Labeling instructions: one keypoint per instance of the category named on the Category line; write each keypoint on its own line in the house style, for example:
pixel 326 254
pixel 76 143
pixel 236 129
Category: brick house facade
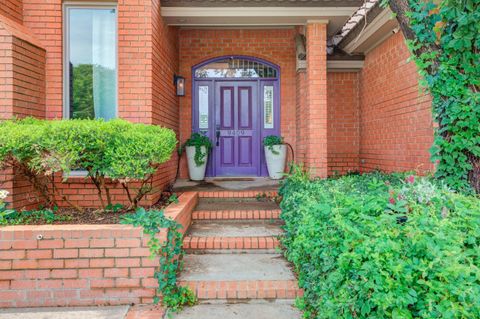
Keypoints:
pixel 356 112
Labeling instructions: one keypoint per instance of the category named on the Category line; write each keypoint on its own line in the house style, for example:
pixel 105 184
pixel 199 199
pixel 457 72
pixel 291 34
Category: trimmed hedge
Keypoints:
pixel 382 246
pixel 118 150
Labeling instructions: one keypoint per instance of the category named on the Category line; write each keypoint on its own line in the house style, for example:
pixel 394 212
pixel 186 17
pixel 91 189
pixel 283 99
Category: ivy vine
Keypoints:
pixel 271 140
pixel 198 140
pixel 444 38
pixel 170 253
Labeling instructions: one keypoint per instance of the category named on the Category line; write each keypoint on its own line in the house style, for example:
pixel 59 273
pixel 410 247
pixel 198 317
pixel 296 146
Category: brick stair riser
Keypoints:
pixel 236 214
pixel 230 242
pixel 240 290
pixel 236 194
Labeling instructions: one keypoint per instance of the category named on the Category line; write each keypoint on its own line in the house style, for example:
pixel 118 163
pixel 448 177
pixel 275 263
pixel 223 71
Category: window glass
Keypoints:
pixel 236 68
pixel 92 63
pixel 268 106
pixel 203 107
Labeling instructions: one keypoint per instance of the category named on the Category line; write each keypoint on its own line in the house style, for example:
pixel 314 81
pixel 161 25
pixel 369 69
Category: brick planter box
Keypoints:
pixel 80 265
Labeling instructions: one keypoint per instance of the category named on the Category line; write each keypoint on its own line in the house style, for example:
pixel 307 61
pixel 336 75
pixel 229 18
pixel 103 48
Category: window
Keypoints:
pixel 236 68
pixel 90 86
pixel 203 107
pixel 268 106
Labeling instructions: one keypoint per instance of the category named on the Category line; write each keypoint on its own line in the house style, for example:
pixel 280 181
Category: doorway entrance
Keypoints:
pixel 236 104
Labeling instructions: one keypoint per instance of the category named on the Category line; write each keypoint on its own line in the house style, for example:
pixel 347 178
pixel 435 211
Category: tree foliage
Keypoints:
pixel 444 38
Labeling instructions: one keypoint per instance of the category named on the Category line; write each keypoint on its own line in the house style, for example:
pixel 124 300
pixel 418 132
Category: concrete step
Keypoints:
pixel 239 276
pixel 234 267
pixel 235 228
pixel 254 310
pixel 233 234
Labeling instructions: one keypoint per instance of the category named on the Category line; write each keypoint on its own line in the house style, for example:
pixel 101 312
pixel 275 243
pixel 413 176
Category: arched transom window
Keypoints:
pixel 236 68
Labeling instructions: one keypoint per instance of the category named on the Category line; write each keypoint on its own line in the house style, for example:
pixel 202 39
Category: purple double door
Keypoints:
pixel 237 138
pixel 236 104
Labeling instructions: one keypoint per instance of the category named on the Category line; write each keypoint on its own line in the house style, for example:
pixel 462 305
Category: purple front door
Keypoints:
pixel 236 103
pixel 237 139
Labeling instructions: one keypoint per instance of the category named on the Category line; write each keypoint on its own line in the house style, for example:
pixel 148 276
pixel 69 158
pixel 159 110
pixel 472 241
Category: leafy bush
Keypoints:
pixel 198 140
pixel 118 150
pixel 382 246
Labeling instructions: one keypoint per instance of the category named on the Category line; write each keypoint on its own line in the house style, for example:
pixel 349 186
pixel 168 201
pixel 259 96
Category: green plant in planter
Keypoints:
pixel 272 140
pixel 198 140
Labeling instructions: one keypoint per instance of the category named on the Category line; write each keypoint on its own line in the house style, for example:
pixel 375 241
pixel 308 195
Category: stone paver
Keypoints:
pixel 117 312
pixel 227 267
pixel 274 310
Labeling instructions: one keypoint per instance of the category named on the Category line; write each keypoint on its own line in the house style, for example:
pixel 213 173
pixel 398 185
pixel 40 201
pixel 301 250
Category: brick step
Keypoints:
pixel 255 242
pixel 237 194
pixel 244 289
pixel 235 214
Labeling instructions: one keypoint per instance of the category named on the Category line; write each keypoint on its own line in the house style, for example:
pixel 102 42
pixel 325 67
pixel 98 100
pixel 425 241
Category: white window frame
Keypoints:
pixel 67 5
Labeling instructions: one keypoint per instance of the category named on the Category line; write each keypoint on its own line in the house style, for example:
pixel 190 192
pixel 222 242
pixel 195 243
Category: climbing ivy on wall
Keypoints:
pixel 169 252
pixel 444 38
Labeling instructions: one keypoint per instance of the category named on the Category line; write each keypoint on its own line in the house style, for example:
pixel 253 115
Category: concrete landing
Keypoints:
pixel 274 310
pixel 219 184
pixel 235 203
pixel 65 313
pixel 232 267
pixel 235 228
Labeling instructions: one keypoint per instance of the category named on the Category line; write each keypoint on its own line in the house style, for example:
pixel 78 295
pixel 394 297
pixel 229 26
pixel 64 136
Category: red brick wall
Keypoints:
pixel 81 265
pixel 301 122
pixel 12 9
pixel 274 45
pixel 396 127
pixel 147 59
pixel 316 100
pixel 343 122
pixel 165 64
pixel 22 91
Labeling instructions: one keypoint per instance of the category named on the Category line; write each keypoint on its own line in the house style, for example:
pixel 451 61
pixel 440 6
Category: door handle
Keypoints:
pixel 217 134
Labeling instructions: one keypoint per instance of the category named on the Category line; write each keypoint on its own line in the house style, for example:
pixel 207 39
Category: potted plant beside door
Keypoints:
pixel 197 148
pixel 275 155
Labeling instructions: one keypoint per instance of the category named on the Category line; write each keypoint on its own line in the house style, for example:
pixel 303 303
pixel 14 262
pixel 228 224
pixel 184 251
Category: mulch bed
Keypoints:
pixel 70 216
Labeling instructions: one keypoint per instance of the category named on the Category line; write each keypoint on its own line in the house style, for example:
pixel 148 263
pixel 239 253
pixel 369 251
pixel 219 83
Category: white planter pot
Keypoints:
pixel 276 162
pixel 197 173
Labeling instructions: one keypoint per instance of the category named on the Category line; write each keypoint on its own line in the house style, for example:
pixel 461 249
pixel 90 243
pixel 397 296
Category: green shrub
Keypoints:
pixel 118 150
pixel 382 246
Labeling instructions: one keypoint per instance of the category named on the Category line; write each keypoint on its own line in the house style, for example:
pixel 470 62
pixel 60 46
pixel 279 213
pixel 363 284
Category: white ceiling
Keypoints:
pixel 256 16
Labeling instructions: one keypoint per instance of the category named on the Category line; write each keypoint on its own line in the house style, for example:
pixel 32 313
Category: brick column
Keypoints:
pixel 316 102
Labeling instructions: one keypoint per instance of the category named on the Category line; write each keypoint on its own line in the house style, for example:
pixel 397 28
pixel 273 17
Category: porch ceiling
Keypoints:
pixel 261 3
pixel 216 15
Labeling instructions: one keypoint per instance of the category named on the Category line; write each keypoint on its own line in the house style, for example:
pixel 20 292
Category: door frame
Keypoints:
pixel 261 82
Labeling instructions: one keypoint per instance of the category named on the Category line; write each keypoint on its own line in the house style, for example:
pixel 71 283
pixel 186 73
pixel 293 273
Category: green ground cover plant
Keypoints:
pixel 169 252
pixel 382 246
pixel 116 151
